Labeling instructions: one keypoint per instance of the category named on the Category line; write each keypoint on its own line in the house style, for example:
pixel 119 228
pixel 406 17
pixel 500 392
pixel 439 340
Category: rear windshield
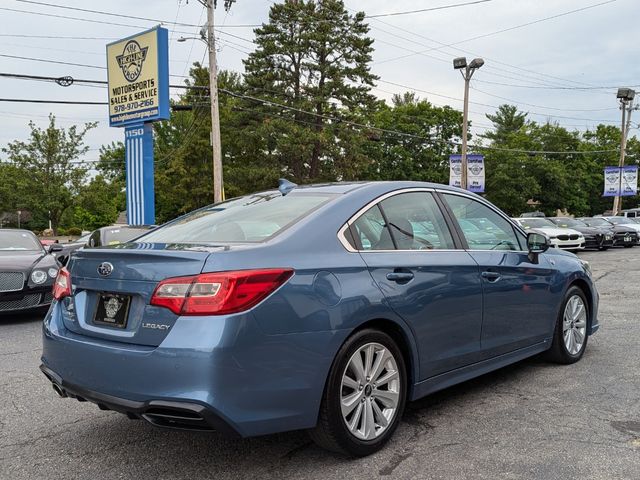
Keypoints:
pixel 10 241
pixel 249 219
pixel 115 236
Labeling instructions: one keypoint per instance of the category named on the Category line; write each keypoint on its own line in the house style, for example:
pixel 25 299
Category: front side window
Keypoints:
pixel 416 222
pixel 482 228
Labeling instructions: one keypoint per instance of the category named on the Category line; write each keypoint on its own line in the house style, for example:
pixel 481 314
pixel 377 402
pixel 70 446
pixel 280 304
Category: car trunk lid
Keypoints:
pixel 112 288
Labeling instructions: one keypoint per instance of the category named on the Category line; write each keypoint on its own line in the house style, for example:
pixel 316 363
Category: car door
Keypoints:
pixel 411 254
pixel 518 307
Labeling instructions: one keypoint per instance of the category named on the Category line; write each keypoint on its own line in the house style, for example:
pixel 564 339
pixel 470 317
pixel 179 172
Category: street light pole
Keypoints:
pixel 215 113
pixel 626 96
pixel 467 72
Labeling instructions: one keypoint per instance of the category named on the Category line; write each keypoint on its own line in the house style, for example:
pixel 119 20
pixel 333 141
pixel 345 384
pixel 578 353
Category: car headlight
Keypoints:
pixel 38 276
pixel 608 236
pixel 587 266
pixel 53 272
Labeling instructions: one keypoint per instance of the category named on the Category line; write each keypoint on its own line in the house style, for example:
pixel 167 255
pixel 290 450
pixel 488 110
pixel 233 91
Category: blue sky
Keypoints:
pixel 592 48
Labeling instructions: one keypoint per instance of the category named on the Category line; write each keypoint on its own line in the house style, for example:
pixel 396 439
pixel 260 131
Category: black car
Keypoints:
pixel 622 236
pixel 27 271
pixel 594 237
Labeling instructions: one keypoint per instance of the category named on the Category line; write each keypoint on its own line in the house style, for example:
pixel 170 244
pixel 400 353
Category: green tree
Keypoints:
pixel 97 204
pixel 311 56
pixel 423 153
pixel 49 163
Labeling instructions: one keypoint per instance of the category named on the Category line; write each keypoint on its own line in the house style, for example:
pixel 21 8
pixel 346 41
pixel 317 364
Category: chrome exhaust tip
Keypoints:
pixel 58 389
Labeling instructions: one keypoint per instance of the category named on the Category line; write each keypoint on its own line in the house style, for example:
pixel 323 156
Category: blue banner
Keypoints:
pixel 621 181
pixel 475 172
pixel 629 180
pixel 611 181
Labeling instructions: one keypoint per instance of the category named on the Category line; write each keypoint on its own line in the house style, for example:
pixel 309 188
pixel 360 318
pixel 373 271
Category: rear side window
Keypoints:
pixel 249 219
pixel 371 232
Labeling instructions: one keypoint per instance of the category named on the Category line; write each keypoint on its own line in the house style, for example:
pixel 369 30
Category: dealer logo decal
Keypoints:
pixel 131 60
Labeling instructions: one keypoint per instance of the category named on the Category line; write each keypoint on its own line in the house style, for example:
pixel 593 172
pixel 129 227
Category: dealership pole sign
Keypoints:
pixel 620 181
pixel 138 81
pixel 475 172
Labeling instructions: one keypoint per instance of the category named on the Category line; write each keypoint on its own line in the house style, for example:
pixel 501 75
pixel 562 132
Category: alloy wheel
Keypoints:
pixel 574 325
pixel 370 391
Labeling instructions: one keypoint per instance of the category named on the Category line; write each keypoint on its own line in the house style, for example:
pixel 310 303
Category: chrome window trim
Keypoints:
pixel 341 233
pixel 345 243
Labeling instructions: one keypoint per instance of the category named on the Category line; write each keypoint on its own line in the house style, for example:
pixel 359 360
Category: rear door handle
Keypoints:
pixel 491 276
pixel 400 276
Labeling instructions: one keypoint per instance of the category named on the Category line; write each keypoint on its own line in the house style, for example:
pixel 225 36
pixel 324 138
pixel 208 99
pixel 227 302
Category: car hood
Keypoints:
pixel 18 261
pixel 552 231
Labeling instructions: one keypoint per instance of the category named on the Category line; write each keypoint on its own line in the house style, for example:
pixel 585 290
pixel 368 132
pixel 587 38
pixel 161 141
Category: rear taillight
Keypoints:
pixel 62 285
pixel 218 293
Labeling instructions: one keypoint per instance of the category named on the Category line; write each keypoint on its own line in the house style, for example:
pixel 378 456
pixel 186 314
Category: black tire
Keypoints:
pixel 331 432
pixel 558 352
pixel 628 246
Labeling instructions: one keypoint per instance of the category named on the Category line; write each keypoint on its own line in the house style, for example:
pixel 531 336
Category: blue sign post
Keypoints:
pixel 138 81
pixel 139 164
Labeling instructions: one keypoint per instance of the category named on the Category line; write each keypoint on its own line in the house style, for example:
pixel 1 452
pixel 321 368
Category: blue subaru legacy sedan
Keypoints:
pixel 324 307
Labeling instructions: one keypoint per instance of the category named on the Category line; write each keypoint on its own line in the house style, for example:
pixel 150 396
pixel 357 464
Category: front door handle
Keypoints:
pixel 491 276
pixel 400 277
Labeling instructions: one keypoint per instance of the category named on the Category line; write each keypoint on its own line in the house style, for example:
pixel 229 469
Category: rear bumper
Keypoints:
pixel 161 413
pixel 224 369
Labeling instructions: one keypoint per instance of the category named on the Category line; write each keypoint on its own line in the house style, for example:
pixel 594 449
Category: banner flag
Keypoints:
pixel 455 170
pixel 611 181
pixel 629 180
pixel 475 172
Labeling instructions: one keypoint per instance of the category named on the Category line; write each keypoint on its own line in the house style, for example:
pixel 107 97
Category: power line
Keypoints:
pixel 443 7
pixel 522 25
pixel 542 106
pixel 64 102
pixel 133 17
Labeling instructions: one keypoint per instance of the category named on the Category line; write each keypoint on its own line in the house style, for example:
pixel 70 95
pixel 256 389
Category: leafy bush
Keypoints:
pixel 74 231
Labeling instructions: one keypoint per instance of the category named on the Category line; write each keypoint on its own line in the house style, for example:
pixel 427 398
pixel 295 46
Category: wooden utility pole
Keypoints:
pixel 216 144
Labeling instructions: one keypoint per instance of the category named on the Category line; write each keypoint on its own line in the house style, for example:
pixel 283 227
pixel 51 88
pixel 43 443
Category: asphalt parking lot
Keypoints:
pixel 529 420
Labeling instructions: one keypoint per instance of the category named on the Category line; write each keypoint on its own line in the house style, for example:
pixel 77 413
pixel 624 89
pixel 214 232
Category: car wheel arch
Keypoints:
pixel 584 286
pixel 403 338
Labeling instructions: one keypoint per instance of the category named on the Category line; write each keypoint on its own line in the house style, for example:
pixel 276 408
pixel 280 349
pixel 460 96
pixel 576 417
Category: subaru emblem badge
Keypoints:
pixel 105 269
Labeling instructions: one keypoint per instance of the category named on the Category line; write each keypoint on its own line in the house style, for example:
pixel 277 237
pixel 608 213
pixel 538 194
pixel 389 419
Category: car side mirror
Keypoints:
pixel 537 243
pixel 54 247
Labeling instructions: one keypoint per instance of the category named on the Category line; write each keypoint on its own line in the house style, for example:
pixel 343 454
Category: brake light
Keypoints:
pixel 62 285
pixel 218 293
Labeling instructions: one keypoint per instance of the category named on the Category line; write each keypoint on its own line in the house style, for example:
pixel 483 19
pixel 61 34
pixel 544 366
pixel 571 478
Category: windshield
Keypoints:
pixel 116 235
pixel 621 221
pixel 10 241
pixel 597 222
pixel 536 223
pixel 568 222
pixel 249 219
